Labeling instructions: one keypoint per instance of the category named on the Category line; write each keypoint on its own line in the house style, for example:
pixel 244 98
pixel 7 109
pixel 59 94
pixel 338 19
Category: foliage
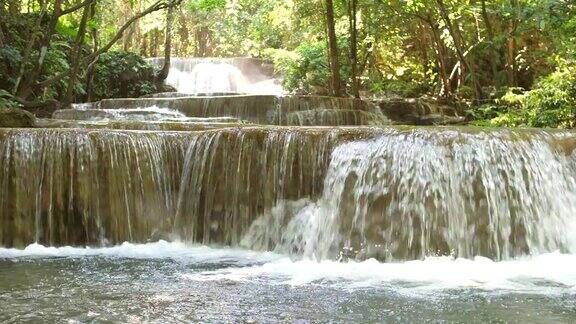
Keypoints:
pixel 120 74
pixel 7 100
pixel 49 66
pixel 551 103
pixel 512 55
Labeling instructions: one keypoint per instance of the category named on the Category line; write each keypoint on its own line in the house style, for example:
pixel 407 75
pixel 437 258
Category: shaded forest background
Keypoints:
pixel 512 62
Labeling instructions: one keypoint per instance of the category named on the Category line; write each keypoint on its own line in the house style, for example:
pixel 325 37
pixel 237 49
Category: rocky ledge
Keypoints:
pixel 16 118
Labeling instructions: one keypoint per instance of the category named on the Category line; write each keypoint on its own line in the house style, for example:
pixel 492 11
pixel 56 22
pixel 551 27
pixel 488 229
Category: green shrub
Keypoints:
pixel 121 74
pixel 7 101
pixel 551 103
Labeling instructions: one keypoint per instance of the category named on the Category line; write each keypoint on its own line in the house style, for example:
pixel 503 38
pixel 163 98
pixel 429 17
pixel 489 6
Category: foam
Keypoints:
pixel 546 273
pixel 159 250
pixel 549 273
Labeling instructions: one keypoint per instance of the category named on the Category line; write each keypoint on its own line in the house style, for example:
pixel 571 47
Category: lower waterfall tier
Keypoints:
pixel 324 193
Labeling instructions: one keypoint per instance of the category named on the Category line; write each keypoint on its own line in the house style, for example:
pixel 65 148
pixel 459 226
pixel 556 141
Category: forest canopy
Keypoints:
pixel 511 61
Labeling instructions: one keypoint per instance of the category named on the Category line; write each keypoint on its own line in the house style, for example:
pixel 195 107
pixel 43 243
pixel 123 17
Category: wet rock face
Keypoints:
pixel 420 112
pixel 259 109
pixel 16 118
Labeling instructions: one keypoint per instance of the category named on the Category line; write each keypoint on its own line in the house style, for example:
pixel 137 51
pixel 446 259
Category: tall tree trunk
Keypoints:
pixel 456 38
pixel 25 89
pixel 144 45
pixel 75 57
pixel 511 47
pixel 14 7
pixel 91 68
pixel 155 43
pixel 352 11
pixel 441 57
pixel 333 49
pixel 29 47
pixel 163 74
pixel 203 42
pixel 184 34
pixel 493 50
pixel 2 14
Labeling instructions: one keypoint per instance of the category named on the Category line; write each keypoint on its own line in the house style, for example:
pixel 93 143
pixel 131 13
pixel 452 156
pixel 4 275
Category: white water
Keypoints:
pixel 197 77
pixel 549 273
pixel 158 250
pixel 153 113
pixel 409 196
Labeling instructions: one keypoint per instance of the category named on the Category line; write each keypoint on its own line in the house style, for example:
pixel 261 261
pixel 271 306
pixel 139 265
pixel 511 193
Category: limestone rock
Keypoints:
pixel 420 112
pixel 16 118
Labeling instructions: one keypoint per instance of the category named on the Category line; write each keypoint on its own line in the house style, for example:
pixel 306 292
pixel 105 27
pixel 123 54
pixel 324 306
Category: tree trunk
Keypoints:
pixel 27 87
pixel 511 47
pixel 333 49
pixel 441 57
pixel 91 69
pixel 144 45
pixel 464 65
pixel 352 11
pixel 203 43
pixel 2 14
pixel 184 34
pixel 29 47
pixel 493 50
pixel 75 57
pixel 14 7
pixel 163 74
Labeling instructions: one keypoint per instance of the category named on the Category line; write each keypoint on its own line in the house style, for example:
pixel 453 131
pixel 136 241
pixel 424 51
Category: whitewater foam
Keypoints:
pixel 158 250
pixel 549 273
pixel 545 274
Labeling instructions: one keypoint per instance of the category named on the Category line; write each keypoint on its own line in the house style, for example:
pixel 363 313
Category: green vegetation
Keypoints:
pixel 511 61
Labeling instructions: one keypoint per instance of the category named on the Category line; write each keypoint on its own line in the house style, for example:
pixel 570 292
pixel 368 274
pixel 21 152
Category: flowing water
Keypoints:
pixel 207 76
pixel 174 282
pixel 347 224
pixel 268 208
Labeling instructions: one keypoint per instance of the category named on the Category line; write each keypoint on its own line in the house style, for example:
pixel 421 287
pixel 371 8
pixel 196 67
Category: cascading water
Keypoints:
pixel 411 194
pixel 392 194
pixel 208 76
pixel 298 217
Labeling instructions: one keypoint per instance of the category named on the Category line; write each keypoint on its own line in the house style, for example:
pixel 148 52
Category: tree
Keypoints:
pixel 79 62
pixel 352 18
pixel 333 49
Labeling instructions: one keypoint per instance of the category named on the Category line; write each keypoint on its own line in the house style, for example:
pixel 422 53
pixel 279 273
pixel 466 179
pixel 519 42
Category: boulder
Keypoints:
pixel 16 118
pixel 420 112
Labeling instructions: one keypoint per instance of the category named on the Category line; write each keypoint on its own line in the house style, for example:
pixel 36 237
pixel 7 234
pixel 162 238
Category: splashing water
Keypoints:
pixel 206 76
pixel 473 226
pixel 410 195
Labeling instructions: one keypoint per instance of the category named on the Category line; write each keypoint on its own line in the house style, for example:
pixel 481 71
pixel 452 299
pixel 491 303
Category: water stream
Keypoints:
pixel 268 209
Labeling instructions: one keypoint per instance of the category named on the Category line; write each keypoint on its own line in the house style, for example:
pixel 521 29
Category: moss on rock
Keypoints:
pixel 16 118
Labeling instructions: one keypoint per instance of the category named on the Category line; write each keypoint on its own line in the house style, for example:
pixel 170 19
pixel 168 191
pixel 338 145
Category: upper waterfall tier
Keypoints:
pixel 392 193
pixel 260 109
pixel 221 75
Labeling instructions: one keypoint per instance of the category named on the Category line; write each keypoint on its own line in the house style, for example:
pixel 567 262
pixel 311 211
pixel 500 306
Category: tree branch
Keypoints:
pixel 76 7
pixel 158 5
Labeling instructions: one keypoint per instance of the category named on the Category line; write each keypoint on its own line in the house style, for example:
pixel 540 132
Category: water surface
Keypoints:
pixel 170 282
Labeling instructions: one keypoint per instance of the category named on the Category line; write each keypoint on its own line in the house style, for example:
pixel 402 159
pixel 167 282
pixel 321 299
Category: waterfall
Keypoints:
pixel 408 195
pixel 260 109
pixel 323 193
pixel 78 187
pixel 210 76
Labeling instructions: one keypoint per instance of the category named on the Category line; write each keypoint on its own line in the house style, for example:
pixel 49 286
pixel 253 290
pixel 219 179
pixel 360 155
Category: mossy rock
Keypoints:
pixel 16 118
